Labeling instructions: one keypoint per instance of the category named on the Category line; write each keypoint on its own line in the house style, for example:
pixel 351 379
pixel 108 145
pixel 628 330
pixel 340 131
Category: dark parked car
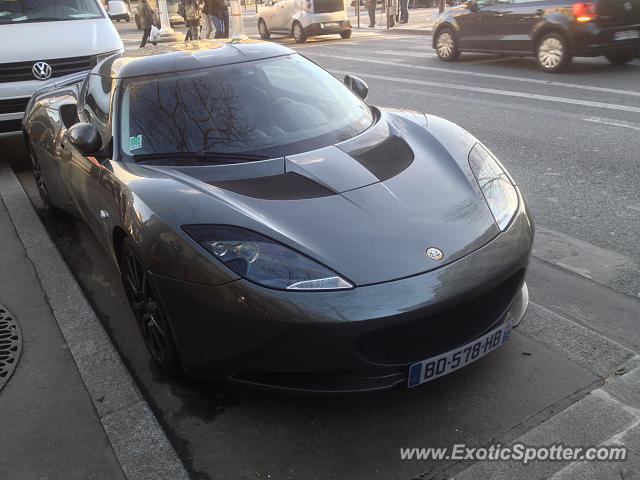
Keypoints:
pixel 272 228
pixel 553 31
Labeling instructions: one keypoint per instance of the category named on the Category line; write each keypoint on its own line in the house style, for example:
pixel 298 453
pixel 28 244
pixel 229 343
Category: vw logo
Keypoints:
pixel 435 253
pixel 628 6
pixel 41 70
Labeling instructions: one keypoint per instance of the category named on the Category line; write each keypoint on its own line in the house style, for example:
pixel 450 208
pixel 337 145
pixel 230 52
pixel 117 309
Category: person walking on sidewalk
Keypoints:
pixel 371 7
pixel 214 10
pixel 404 11
pixel 147 20
pixel 193 14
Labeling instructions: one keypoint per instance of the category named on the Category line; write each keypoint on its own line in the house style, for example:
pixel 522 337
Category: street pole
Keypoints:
pixel 237 23
pixel 167 34
pixel 441 6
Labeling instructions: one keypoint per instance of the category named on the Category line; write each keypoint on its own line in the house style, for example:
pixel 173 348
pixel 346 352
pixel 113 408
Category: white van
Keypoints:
pixel 44 39
pixel 303 18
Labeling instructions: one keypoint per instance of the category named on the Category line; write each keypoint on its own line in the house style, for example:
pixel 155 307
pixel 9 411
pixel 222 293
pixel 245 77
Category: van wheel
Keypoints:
pixel 620 58
pixel 128 19
pixel 552 53
pixel 447 45
pixel 263 30
pixel 346 34
pixel 298 33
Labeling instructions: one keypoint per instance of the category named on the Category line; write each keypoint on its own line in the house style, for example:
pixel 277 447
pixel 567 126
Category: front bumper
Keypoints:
pixel 327 28
pixel 353 340
pixel 591 40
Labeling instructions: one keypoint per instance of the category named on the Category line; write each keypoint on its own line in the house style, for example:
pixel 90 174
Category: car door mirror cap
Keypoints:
pixel 86 138
pixel 357 86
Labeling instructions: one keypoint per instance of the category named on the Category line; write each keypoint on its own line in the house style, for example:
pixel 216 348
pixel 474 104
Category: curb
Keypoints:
pixel 138 441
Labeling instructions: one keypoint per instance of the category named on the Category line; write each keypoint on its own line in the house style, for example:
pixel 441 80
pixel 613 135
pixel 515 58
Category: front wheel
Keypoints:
pixel 346 34
pixel 128 19
pixel 147 309
pixel 263 30
pixel 620 58
pixel 447 45
pixel 552 53
pixel 298 33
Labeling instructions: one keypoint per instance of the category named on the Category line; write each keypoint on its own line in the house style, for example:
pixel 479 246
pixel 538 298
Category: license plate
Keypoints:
pixel 435 367
pixel 330 24
pixel 626 35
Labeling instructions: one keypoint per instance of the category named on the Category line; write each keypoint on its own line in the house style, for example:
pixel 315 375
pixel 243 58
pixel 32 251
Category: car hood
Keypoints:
pixel 368 208
pixel 63 39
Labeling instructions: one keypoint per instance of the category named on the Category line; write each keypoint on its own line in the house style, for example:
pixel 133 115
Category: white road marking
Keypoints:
pixel 522 108
pixel 613 123
pixel 495 91
pixel 404 53
pixel 490 75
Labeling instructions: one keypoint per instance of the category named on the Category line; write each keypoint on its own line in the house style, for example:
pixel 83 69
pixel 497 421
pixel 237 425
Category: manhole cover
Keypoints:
pixel 10 345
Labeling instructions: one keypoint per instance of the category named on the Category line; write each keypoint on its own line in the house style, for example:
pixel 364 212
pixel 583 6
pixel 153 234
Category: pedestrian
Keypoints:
pixel 214 11
pixel 147 19
pixel 404 11
pixel 371 7
pixel 193 14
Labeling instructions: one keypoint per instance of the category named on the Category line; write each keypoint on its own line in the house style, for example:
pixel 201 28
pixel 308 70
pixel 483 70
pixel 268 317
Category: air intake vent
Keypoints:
pixel 387 159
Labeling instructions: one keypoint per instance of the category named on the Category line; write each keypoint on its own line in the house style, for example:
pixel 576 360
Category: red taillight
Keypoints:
pixel 584 12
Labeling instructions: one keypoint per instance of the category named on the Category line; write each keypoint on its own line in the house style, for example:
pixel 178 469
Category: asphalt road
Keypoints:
pixel 572 142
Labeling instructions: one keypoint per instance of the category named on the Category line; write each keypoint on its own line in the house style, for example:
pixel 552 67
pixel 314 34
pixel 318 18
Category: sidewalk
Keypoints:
pixel 420 21
pixel 70 410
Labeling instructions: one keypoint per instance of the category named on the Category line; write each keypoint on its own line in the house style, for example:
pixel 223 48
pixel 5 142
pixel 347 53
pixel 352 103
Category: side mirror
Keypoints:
pixel 471 5
pixel 85 138
pixel 357 86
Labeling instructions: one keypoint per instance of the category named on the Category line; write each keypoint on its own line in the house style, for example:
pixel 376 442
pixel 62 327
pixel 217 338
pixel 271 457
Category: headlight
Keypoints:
pixel 264 261
pixel 496 186
pixel 101 56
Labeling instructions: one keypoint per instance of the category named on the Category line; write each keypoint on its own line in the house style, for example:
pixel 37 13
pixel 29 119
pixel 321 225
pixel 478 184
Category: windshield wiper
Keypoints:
pixel 213 157
pixel 40 19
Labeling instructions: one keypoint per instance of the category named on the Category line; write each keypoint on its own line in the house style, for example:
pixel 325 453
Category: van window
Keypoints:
pixel 29 11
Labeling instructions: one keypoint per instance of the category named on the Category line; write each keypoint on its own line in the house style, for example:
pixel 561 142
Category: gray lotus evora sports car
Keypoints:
pixel 272 228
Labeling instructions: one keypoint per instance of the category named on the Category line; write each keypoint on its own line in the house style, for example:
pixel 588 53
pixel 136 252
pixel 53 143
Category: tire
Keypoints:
pixel 298 33
pixel 620 58
pixel 263 30
pixel 552 52
pixel 447 45
pixel 346 34
pixel 148 310
pixel 49 208
pixel 128 19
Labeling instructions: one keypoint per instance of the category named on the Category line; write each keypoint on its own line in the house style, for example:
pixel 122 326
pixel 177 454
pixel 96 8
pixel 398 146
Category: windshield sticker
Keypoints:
pixel 135 142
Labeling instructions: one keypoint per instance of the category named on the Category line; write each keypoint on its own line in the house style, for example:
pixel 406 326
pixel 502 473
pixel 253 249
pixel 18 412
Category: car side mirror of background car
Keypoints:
pixel 86 138
pixel 357 86
pixel 472 5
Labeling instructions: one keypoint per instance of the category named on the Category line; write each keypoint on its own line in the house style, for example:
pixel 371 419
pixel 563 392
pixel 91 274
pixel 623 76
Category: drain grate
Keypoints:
pixel 10 345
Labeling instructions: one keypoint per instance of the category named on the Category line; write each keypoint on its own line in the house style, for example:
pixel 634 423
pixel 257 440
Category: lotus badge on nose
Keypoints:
pixel 434 253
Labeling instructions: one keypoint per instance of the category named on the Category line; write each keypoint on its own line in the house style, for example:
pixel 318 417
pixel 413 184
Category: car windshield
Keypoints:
pixel 271 107
pixel 28 11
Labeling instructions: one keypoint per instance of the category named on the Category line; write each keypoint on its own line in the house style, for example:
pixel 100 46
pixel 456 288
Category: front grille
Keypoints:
pixel 13 105
pixel 21 71
pixel 442 331
pixel 8 126
pixel 326 6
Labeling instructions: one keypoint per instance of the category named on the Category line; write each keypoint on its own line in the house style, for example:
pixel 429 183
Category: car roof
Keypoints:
pixel 184 56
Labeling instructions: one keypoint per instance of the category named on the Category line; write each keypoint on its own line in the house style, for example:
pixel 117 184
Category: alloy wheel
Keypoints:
pixel 145 307
pixel 446 47
pixel 551 53
pixel 262 30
